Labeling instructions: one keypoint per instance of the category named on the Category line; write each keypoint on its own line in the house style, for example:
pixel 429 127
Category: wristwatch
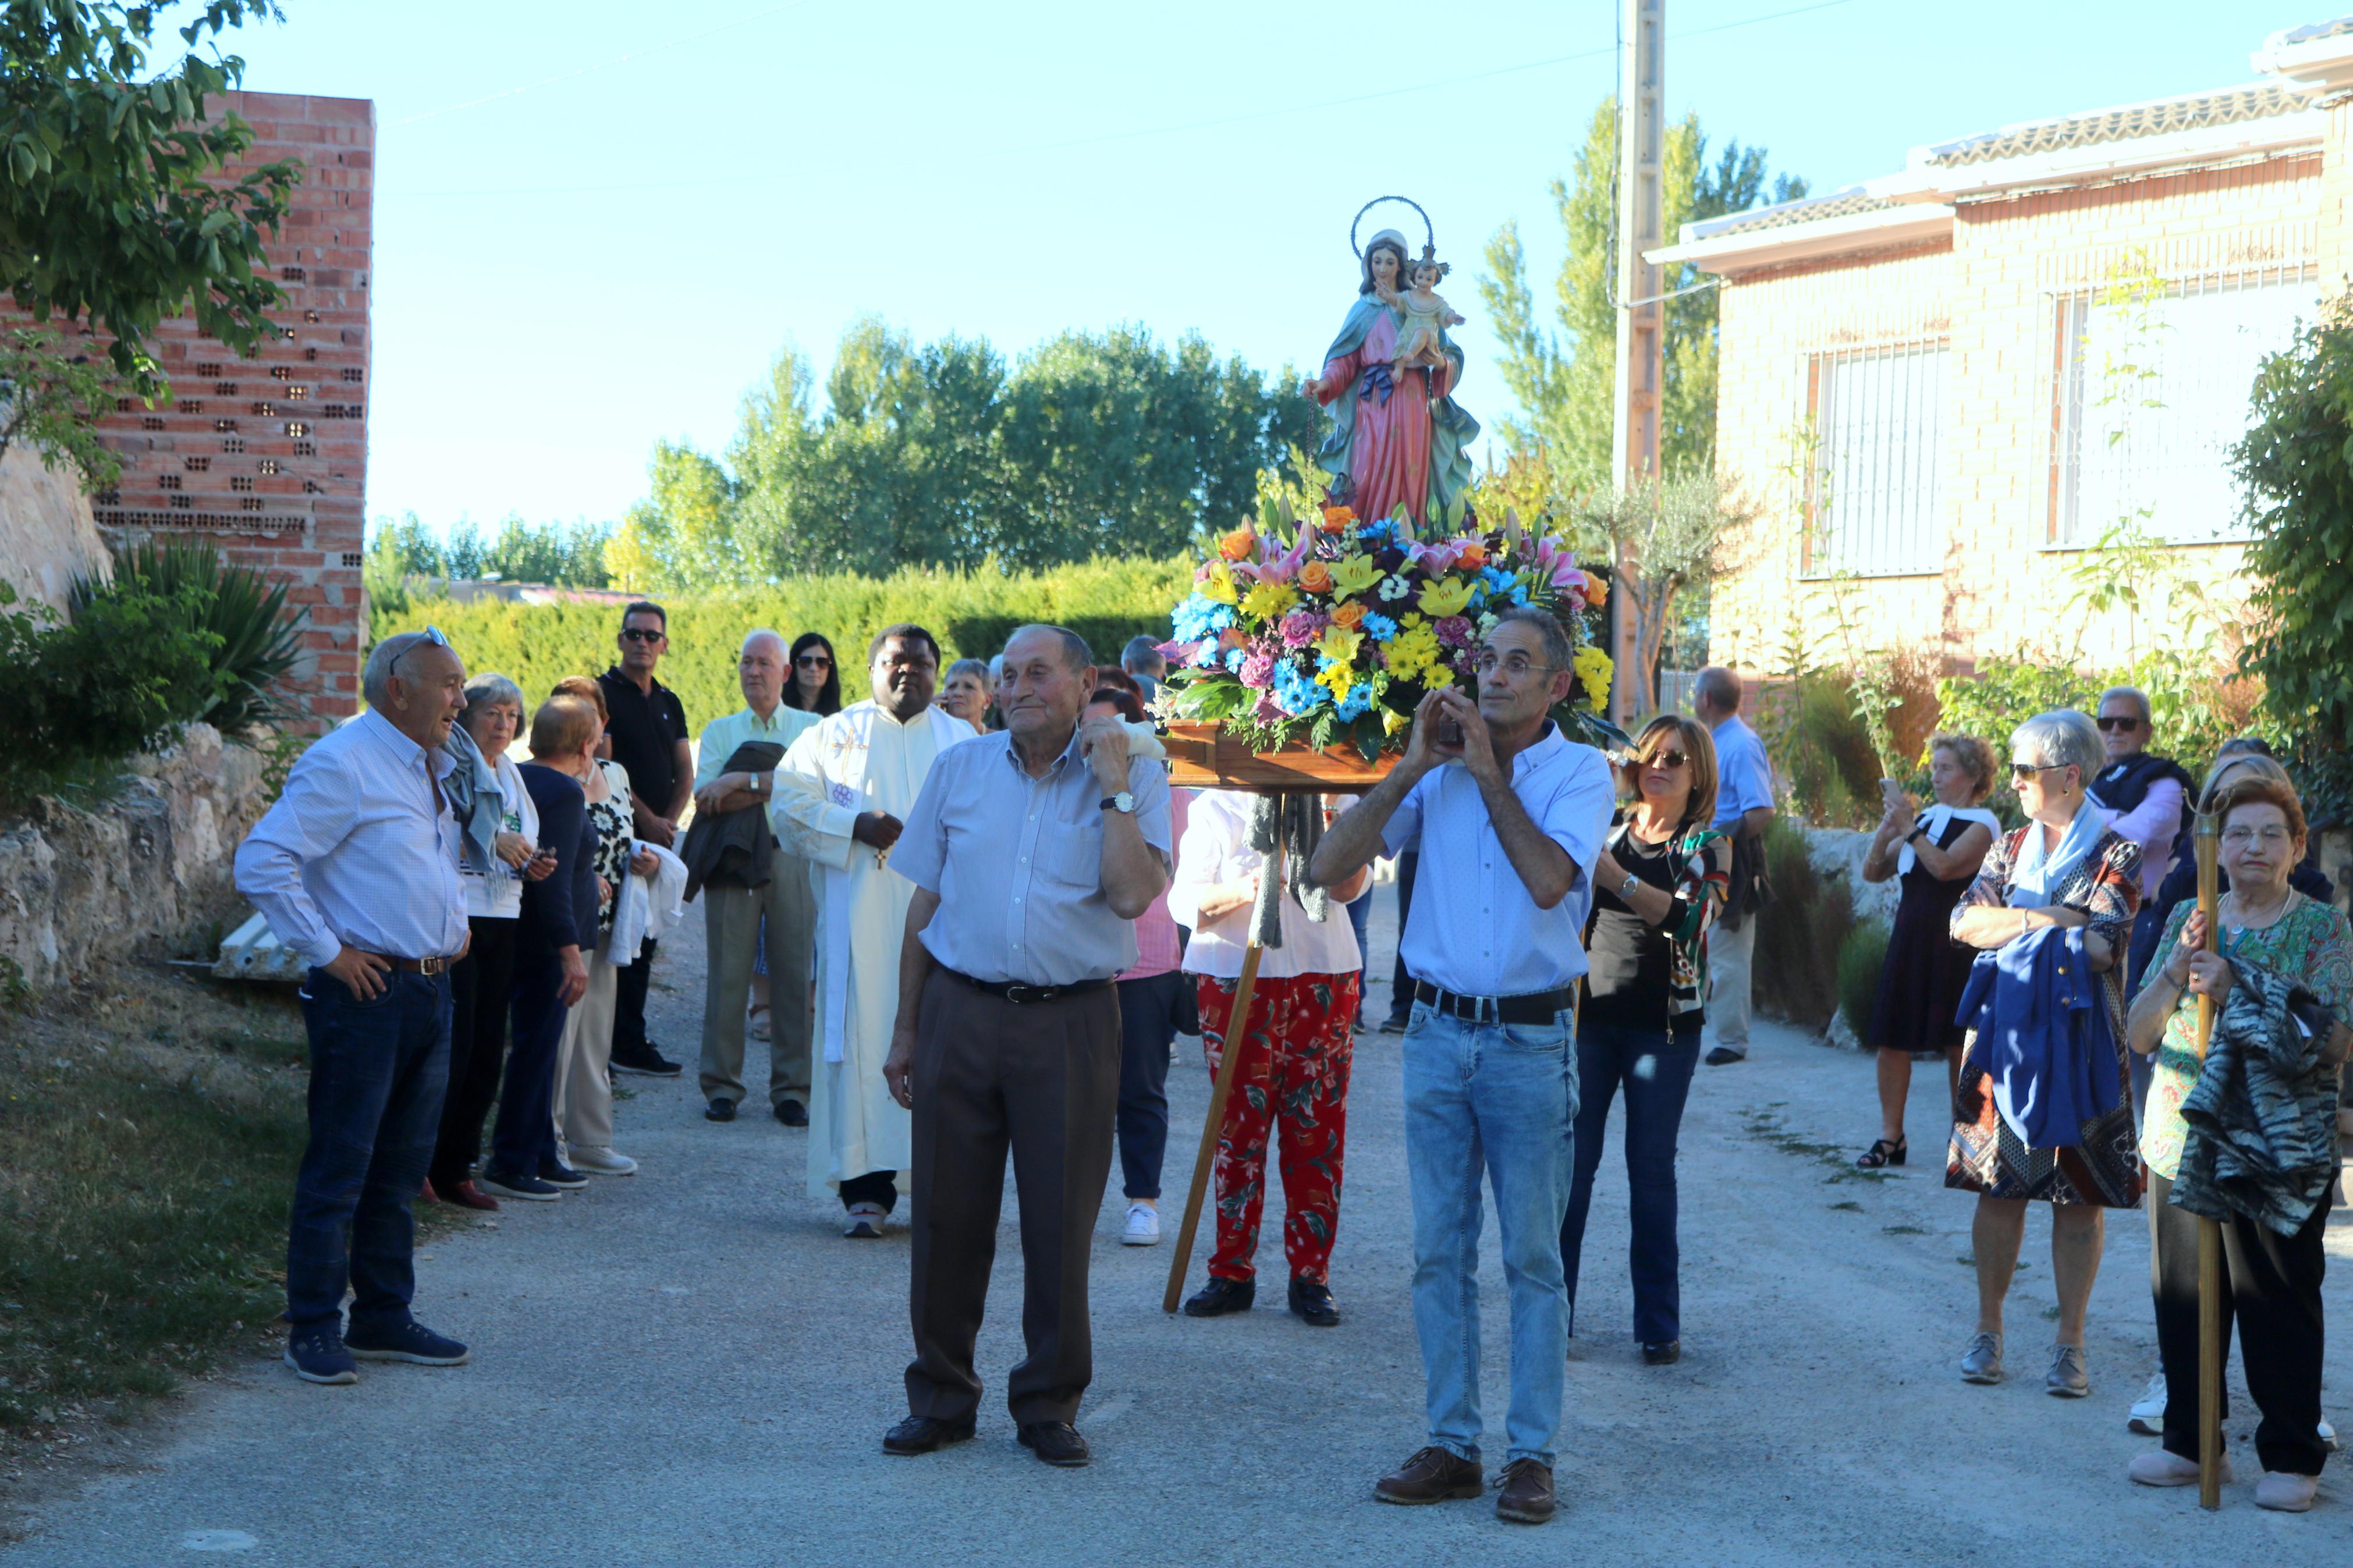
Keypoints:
pixel 1918 829
pixel 1124 803
pixel 1626 888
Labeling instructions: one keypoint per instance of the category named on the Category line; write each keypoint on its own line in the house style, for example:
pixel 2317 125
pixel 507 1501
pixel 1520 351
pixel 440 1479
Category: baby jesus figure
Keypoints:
pixel 1426 316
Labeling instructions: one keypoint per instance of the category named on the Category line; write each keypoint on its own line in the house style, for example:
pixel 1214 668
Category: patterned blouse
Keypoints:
pixel 611 819
pixel 1701 880
pixel 2310 942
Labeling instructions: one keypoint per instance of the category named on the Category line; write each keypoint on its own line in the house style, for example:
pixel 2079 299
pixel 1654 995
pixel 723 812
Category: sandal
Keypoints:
pixel 1882 1152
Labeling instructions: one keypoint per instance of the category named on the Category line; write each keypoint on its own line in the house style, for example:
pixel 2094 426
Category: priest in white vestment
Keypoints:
pixel 845 790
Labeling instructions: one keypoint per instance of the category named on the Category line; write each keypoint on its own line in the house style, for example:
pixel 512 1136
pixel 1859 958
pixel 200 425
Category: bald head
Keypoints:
pixel 760 668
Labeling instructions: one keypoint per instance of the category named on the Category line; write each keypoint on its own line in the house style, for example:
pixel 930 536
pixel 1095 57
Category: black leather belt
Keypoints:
pixel 1532 1008
pixel 1022 995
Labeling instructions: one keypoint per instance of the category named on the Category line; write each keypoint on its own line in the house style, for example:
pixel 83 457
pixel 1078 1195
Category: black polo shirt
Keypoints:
pixel 646 728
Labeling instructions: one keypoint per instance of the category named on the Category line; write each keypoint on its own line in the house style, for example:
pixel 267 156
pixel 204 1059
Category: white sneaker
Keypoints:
pixel 599 1162
pixel 1143 1227
pixel 865 1222
pixel 2328 1437
pixel 2148 1416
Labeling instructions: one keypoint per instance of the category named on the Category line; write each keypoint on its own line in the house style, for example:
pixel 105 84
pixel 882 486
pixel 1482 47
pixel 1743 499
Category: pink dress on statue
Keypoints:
pixel 1390 462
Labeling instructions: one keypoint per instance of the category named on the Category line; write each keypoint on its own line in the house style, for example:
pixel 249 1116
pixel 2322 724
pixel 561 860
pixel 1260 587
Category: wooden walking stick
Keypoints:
pixel 2210 1232
pixel 1237 1027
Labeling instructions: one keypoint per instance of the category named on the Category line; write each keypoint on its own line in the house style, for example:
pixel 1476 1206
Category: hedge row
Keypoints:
pixel 1105 601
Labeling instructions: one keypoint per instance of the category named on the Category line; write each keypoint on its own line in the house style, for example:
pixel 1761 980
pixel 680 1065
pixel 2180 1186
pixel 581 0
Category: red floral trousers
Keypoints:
pixel 1294 1072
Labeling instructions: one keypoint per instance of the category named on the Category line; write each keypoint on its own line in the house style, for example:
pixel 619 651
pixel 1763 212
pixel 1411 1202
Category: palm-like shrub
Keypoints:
pixel 258 638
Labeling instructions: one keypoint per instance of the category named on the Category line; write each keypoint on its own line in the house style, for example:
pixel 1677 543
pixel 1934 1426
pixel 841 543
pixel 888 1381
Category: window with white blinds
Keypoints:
pixel 1877 506
pixel 2150 398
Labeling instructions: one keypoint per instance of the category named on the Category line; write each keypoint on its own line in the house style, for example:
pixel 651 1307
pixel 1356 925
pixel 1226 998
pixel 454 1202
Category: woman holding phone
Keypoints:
pixel 1937 854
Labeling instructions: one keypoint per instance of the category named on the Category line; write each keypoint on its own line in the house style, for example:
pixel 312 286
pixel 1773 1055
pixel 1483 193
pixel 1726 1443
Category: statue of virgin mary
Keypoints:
pixel 1398 437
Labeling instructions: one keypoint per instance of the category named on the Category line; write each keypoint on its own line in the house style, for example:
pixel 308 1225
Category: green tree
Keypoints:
pixel 55 400
pixel 1561 373
pixel 118 203
pixel 683 532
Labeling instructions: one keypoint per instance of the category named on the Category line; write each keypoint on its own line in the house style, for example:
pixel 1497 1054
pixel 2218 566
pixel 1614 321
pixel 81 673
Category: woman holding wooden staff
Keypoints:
pixel 2241 1128
pixel 1290 1085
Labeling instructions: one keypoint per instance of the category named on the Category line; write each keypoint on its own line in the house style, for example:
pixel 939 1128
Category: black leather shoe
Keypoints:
pixel 792 1113
pixel 922 1434
pixel 1313 1303
pixel 1056 1442
pixel 1663 1354
pixel 719 1111
pixel 1219 1297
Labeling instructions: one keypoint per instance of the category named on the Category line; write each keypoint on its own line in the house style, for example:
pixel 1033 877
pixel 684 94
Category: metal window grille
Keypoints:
pixel 2150 398
pixel 1875 500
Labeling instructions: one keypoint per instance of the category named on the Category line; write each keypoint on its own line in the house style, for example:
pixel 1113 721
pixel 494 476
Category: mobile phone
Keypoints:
pixel 1448 732
pixel 1890 790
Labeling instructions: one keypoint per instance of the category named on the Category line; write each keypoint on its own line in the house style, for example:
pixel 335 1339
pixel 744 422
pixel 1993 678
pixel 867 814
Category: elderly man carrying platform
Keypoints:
pixel 863 767
pixel 1032 852
pixel 1515 813
pixel 732 911
pixel 355 867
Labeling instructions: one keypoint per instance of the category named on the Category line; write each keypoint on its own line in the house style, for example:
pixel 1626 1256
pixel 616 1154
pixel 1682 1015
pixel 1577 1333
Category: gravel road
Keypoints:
pixel 692 1367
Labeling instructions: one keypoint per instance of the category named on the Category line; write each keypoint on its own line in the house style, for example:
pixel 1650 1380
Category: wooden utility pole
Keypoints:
pixel 1642 314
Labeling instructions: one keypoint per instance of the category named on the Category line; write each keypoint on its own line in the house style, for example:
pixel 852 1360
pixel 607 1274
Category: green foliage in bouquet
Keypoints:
pixel 1327 629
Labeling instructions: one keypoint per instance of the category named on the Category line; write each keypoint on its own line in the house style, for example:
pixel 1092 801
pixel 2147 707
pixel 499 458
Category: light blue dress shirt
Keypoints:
pixel 355 852
pixel 1474 929
pixel 1743 777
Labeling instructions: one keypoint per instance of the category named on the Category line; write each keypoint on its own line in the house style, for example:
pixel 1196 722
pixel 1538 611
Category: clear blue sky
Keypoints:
pixel 565 273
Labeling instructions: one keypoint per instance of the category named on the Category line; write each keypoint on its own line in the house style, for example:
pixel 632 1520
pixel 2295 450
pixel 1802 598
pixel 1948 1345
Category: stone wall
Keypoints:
pixel 141 875
pixel 47 536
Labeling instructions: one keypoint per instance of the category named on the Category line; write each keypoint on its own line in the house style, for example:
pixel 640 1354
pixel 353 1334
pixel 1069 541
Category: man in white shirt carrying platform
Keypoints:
pixel 355 867
pixel 864 768
pixel 1508 821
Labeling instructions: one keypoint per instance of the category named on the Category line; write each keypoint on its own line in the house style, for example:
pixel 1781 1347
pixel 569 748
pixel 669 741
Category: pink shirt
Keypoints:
pixel 1156 952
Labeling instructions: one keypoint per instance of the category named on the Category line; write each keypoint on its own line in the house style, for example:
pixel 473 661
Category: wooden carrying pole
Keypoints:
pixel 1237 1027
pixel 2210 1232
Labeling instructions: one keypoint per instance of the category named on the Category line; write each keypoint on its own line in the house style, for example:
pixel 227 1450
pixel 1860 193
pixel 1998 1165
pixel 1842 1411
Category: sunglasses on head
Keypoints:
pixel 2107 722
pixel 643 634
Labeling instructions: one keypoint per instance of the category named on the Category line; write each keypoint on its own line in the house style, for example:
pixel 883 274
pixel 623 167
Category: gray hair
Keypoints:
pixel 968 667
pixel 1720 686
pixel 376 678
pixel 2061 737
pixel 1142 656
pixel 490 690
pixel 1075 652
pixel 2138 697
pixel 754 634
pixel 1558 651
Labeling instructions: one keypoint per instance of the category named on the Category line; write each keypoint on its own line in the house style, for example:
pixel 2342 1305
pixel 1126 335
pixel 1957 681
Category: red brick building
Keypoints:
pixel 268 455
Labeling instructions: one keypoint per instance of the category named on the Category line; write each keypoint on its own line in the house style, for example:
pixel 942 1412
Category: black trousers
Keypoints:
pixel 1400 982
pixel 1040 1080
pixel 629 1004
pixel 480 989
pixel 2272 1286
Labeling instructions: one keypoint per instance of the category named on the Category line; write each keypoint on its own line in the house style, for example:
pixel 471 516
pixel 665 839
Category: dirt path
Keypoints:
pixel 692 1367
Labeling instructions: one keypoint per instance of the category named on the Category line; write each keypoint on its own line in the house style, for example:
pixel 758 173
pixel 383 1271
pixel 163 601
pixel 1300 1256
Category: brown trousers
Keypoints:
pixel 1042 1080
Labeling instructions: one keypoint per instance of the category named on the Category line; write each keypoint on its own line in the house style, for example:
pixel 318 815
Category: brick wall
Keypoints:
pixel 1991 295
pixel 268 455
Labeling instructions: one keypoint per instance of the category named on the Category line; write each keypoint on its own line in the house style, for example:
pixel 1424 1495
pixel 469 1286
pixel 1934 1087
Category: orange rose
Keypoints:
pixel 1336 519
pixel 1597 590
pixel 1348 615
pixel 1239 546
pixel 1315 577
pixel 1473 555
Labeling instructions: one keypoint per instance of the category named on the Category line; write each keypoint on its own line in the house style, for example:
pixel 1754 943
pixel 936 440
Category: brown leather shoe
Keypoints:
pixel 1433 1475
pixel 1526 1495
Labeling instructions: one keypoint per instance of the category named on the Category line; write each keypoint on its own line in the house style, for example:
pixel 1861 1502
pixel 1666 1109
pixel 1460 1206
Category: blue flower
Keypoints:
pixel 1198 619
pixel 1295 694
pixel 1377 626
pixel 1234 658
pixel 1358 700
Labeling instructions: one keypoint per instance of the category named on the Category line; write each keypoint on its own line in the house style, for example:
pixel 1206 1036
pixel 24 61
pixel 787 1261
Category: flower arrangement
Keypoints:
pixel 1329 630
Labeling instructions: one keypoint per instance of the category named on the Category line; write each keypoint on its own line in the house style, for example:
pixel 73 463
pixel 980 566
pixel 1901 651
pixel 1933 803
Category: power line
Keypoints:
pixel 1136 134
pixel 591 70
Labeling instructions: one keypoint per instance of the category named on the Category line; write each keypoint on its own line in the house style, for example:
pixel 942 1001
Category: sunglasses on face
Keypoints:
pixel 814 661
pixel 1669 758
pixel 642 634
pixel 2107 722
pixel 2019 773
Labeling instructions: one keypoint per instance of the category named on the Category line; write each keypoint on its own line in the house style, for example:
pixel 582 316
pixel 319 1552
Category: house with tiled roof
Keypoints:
pixel 1944 386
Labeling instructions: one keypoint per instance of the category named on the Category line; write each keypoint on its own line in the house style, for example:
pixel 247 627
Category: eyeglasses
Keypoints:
pixel 2269 837
pixel 1669 758
pixel 433 634
pixel 2107 722
pixel 1518 665
pixel 2021 772
pixel 643 634
pixel 814 661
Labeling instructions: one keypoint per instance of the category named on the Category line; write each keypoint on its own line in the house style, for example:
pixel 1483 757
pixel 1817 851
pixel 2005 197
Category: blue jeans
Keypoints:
pixel 1360 920
pixel 1656 1068
pixel 1501 1098
pixel 1147 1028
pixel 378 1069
